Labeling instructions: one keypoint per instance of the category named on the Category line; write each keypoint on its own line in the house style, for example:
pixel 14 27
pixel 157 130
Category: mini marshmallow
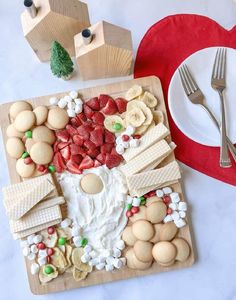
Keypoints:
pixel 73 94
pixel 101 259
pixel 31 256
pixel 94 262
pixel 136 201
pixel 93 254
pixel 62 103
pixel 129 199
pixel 78 101
pixel 168 218
pixel 85 258
pixel 100 266
pixel 75 231
pixel 87 248
pixel 77 241
pixel 175 197
pixel 182 206
pixel 66 223
pixel 123 260
pixel 68 98
pixel 180 223
pixel 30 239
pixel 110 260
pixel 120 149
pixel 159 193
pixel 71 113
pixel 129 130
pixel 34 268
pixel 53 101
pixel 120 245
pixel 116 252
pixel 125 144
pixel 175 216
pixel 109 268
pixel 37 239
pixel 26 251
pixel 42 253
pixel 34 249
pixel 78 108
pixel 119 139
pixel 117 263
pixel 107 253
pixel 134 143
pixel 173 206
pixel 182 214
pixel 167 190
pixel 71 105
pixel 42 261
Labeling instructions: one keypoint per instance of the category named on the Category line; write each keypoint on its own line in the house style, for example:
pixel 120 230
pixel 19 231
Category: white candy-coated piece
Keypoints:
pixel 109 268
pixel 120 245
pixel 175 215
pixel 37 239
pixel 34 268
pixel 71 113
pixel 134 143
pixel 168 218
pixel 117 263
pixel 73 94
pixel 129 199
pixel 30 239
pixel 62 103
pixel 116 252
pixel 78 101
pixel 75 231
pixel 167 190
pixel 136 201
pixel 182 214
pixel 120 149
pixel 26 251
pixel 123 260
pixel 78 108
pixel 34 249
pixel 182 206
pixel 42 253
pixel 100 266
pixel 42 261
pixel 119 139
pixel 77 241
pixel 68 98
pixel 175 197
pixel 53 101
pixel 85 258
pixel 129 130
pixel 93 254
pixel 159 193
pixel 180 223
pixel 125 144
pixel 107 253
pixel 31 256
pixel 66 223
pixel 110 260
pixel 88 248
pixel 173 206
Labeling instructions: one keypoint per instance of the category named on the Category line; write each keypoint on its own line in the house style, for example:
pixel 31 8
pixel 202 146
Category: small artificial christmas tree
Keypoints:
pixel 61 63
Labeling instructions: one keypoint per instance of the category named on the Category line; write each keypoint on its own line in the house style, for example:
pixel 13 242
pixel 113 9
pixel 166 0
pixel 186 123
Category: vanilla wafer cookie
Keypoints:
pixel 36 218
pixel 143 160
pixel 27 232
pixel 48 203
pixel 152 136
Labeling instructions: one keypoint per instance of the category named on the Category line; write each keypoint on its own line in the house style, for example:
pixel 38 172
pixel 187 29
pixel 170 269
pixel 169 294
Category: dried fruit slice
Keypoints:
pixel 78 275
pixel 146 110
pixel 110 108
pixel 158 116
pixel 44 278
pixel 76 257
pixel 135 117
pixel 133 92
pixel 141 130
pixel 113 160
pixel 86 163
pixel 68 254
pixel 64 232
pixel 49 240
pixel 149 99
pixel 121 105
pixel 58 258
pixel 93 103
pixel 110 121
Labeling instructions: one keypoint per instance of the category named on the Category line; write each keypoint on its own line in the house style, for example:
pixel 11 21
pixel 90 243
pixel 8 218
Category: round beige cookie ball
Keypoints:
pixel 156 212
pixel 168 264
pixel 168 231
pixel 128 236
pixel 153 199
pixel 156 237
pixel 57 118
pixel 17 107
pixel 28 144
pixel 143 251
pixel 25 120
pixel 91 184
pixel 141 215
pixel 41 153
pixel 41 114
pixel 143 230
pixel 43 134
pixel 183 249
pixel 134 263
pixel 15 147
pixel 164 252
pixel 12 132
pixel 24 170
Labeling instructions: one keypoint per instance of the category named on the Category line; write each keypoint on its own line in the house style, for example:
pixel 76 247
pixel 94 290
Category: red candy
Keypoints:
pixel 49 260
pixel 129 213
pixel 125 138
pixel 151 194
pixel 41 168
pixel 50 251
pixel 166 199
pixel 169 211
pixel 137 136
pixel 51 230
pixel 41 246
pixel 135 209
pixel 28 160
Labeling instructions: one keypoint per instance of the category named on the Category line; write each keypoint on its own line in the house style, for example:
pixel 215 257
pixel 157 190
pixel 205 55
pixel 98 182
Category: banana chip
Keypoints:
pixel 158 116
pixel 49 240
pixel 149 99
pixel 141 130
pixel 78 275
pixel 58 259
pixel 68 254
pixel 62 248
pixel 135 117
pixel 64 232
pixel 110 121
pixel 134 92
pixel 134 104
pixel 76 260
pixel 44 278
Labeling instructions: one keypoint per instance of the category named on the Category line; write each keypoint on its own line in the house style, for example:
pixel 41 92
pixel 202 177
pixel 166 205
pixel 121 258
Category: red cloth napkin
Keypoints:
pixel 165 45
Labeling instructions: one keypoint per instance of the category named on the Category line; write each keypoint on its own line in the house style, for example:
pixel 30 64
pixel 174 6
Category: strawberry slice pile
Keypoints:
pixel 85 143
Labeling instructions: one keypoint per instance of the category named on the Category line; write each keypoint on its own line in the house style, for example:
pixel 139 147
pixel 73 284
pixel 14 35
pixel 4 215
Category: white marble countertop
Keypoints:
pixel 213 203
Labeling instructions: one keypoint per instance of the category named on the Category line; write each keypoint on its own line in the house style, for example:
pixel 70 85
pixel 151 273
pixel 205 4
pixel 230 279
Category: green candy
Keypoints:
pixel 143 202
pixel 28 134
pixel 117 126
pixel 61 241
pixel 25 154
pixel 84 242
pixel 48 270
pixel 142 198
pixel 129 206
pixel 51 169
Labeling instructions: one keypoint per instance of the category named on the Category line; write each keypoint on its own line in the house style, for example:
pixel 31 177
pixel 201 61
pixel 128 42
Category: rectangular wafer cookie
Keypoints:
pixel 143 160
pixel 167 173
pixel 36 218
pixel 48 203
pixel 152 136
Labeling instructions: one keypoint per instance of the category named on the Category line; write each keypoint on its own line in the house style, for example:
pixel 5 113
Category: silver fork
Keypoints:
pixel 218 83
pixel 196 96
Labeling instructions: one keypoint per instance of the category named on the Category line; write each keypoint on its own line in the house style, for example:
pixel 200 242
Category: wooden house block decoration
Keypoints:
pixel 108 54
pixel 56 20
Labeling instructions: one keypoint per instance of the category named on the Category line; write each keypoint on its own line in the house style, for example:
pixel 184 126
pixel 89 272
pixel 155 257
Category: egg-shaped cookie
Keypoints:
pixel 164 252
pixel 183 249
pixel 156 237
pixel 152 199
pixel 17 107
pixel 15 147
pixel 24 170
pixel 156 212
pixel 140 215
pixel 57 118
pixel 41 114
pixel 129 255
pixel 41 153
pixel 168 231
pixel 134 263
pixel 143 230
pixel 143 251
pixel 128 237
pixel 12 132
pixel 167 264
pixel 43 134
pixel 91 183
pixel 25 120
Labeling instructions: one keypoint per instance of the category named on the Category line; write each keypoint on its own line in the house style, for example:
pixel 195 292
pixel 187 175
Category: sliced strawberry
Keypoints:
pixel 63 135
pixel 62 145
pixel 101 158
pixel 88 126
pixel 98 118
pixel 71 130
pixel 113 160
pixel 75 149
pixel 110 108
pixel 77 139
pixel 82 117
pixel 106 148
pixel 75 121
pixel 77 158
pixel 83 132
pixel 121 104
pixel 113 151
pixel 93 103
pixel 55 146
pixel 93 152
pixel 103 100
pixel 73 167
pixel 86 163
pixel 97 163
pixel 88 111
pixel 89 145
pixel 109 137
pixel 96 136
pixel 65 152
pixel 58 162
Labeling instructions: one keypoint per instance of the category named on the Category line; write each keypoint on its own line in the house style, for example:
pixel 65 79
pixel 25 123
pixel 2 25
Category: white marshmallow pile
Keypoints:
pixel 131 143
pixel 71 101
pixel 135 201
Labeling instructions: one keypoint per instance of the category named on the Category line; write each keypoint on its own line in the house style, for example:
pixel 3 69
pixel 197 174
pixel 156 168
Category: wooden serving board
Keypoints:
pixel 66 281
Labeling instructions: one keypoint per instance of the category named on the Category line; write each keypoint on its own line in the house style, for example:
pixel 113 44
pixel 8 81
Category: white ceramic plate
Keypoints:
pixel 191 119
